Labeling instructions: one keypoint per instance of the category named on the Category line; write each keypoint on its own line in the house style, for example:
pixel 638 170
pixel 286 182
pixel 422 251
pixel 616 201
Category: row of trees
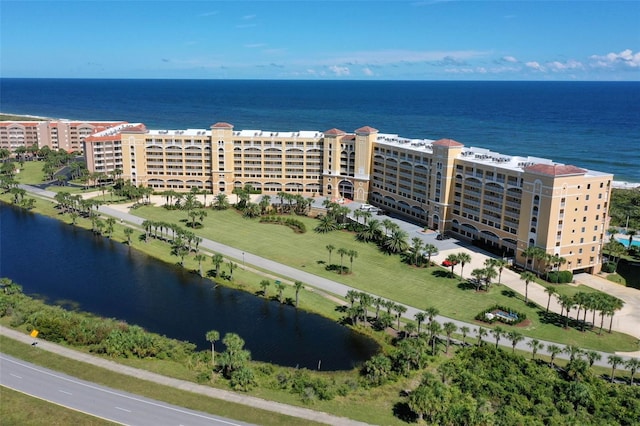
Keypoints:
pixel 596 302
pixel 280 286
pixel 342 252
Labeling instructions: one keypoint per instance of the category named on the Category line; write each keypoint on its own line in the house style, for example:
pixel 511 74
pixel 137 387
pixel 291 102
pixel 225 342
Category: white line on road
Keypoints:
pixel 123 409
pixel 68 393
pixel 15 375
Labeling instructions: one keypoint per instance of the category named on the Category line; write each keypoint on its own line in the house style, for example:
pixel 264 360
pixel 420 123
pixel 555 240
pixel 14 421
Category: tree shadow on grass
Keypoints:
pixel 551 318
pixel 466 285
pixel 441 274
pixel 509 293
pixel 402 411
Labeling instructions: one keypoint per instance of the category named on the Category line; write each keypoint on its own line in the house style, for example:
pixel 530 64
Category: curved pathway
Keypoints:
pixel 327 285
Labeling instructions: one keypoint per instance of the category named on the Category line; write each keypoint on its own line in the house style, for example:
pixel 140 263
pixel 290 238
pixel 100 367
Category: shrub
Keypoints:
pixel 561 277
pixel 609 267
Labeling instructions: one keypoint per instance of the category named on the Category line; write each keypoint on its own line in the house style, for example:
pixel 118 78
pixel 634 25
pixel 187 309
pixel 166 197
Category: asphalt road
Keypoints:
pixel 96 400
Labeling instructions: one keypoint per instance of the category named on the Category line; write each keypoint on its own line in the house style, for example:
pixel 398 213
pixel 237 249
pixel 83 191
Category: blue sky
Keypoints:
pixel 376 40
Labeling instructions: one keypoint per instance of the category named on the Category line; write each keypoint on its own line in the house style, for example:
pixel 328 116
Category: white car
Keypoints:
pixel 367 207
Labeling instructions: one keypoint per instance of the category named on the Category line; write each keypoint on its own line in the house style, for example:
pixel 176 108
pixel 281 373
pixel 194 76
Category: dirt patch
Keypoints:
pixel 525 323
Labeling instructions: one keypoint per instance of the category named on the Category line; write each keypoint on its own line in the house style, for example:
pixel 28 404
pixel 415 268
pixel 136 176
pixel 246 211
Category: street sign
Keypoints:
pixel 34 333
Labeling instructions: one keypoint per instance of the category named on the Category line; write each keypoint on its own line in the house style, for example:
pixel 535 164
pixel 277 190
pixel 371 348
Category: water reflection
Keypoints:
pixel 73 267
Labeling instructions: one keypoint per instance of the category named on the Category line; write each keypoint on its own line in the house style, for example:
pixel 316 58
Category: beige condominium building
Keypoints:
pixel 502 202
pixel 55 134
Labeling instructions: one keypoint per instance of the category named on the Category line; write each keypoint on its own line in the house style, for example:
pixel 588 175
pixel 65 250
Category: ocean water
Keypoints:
pixel 595 125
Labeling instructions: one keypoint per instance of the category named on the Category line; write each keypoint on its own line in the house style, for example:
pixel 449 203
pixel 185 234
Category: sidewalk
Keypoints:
pixel 250 401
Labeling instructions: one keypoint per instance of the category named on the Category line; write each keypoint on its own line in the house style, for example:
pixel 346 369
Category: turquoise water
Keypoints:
pixel 625 242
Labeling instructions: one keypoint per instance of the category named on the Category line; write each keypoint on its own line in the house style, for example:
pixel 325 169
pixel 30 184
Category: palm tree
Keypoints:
pixel 432 313
pixel 330 248
pixel 616 305
pixel 515 337
pixel 567 304
pixel 573 351
pixel 280 288
pixel 342 252
pixel 482 332
pixel 264 284
pixel 633 364
pixel 365 301
pixel 593 356
pixel 551 291
pixel 527 277
pixel 449 328
pixel 378 302
pixel 420 317
pixel 614 361
pixel 554 350
pixel 498 332
pixel 430 250
pixel 127 232
pixel 400 309
pixel 464 330
pixel 499 264
pixel 396 242
pixel 453 260
pixel 352 255
pixel 463 258
pixel 631 233
pixel 217 261
pixel 352 296
pixel 478 275
pixel 232 266
pixel 298 285
pixel 528 253
pixel 416 247
pixel 535 345
pixel 212 336
pixel 434 330
pixel 199 258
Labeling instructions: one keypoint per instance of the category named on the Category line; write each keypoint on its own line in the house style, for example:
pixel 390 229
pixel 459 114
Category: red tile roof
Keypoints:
pixel 222 125
pixel 555 169
pixel 334 132
pixel 447 142
pixel 366 129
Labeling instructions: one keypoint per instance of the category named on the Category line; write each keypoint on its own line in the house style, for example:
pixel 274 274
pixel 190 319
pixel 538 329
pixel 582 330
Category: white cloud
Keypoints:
pixel 510 59
pixel 564 66
pixel 367 71
pixel 535 66
pixel 624 59
pixel 254 45
pixel 387 57
pixel 340 71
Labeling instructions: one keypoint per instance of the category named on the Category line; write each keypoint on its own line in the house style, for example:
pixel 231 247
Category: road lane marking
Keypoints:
pixel 68 393
pixel 123 409
pixel 15 375
pixel 159 404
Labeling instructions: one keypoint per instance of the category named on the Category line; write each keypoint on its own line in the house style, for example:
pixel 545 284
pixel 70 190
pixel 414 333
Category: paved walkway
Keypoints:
pixel 509 278
pixel 238 398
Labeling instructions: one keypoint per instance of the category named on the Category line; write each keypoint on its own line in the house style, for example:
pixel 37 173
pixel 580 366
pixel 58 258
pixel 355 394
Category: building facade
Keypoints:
pixel 500 202
pixel 55 134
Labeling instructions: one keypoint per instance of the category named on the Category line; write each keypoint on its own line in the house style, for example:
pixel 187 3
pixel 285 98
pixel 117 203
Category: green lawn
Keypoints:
pixel 30 173
pixel 383 275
